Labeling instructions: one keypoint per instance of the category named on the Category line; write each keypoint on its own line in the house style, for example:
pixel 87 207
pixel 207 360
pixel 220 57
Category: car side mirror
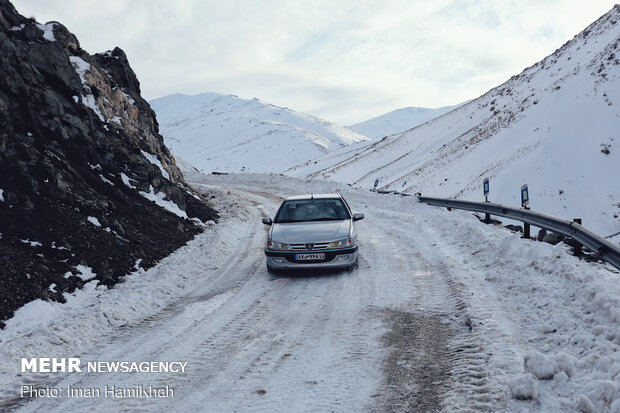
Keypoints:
pixel 357 216
pixel 267 221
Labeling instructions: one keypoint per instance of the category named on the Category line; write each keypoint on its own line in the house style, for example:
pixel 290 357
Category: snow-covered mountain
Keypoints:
pixel 397 121
pixel 225 133
pixel 555 127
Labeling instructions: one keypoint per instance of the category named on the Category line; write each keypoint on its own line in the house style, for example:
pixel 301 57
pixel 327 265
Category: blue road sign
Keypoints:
pixel 485 186
pixel 525 196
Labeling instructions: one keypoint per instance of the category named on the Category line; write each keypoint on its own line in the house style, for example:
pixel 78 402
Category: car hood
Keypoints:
pixel 316 231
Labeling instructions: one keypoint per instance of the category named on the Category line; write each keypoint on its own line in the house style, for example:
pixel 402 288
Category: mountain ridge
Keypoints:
pixel 546 126
pixel 398 121
pixel 229 129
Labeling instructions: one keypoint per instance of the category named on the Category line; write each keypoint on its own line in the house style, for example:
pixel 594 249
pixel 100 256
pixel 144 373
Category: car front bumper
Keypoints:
pixel 333 259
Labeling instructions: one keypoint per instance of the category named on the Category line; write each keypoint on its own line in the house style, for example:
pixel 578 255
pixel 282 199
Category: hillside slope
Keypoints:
pixel 224 133
pixel 555 127
pixel 87 189
pixel 397 121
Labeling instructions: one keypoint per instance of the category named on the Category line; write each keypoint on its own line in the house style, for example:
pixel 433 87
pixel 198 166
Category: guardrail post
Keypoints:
pixel 526 228
pixel 576 245
pixel 487 216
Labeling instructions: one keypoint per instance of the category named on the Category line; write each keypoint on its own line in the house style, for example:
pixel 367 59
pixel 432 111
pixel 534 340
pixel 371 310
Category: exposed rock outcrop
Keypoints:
pixel 81 161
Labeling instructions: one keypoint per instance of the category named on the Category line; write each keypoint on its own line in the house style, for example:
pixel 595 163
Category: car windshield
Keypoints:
pixel 302 210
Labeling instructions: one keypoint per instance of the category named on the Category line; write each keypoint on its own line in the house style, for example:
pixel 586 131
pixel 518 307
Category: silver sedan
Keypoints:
pixel 312 231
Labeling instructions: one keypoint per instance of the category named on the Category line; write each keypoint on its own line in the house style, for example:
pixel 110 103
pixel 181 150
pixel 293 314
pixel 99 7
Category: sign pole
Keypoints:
pixel 485 188
pixel 525 200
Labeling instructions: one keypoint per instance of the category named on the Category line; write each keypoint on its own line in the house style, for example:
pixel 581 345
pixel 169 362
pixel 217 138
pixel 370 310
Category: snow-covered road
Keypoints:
pixel 441 313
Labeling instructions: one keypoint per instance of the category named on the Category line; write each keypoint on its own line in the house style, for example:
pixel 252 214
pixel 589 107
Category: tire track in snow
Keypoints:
pixel 416 367
pixel 475 386
pixel 439 295
pixel 321 312
pixel 302 344
pixel 472 386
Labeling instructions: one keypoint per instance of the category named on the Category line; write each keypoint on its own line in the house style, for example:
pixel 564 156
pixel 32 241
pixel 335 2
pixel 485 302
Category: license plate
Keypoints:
pixel 310 257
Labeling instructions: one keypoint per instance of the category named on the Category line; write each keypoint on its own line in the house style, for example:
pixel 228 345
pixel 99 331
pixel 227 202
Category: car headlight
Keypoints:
pixel 277 245
pixel 347 242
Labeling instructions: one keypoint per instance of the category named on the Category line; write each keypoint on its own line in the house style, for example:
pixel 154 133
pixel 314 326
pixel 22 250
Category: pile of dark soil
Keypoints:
pixel 78 144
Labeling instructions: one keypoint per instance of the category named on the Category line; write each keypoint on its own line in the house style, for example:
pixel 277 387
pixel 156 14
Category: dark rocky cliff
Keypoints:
pixel 79 150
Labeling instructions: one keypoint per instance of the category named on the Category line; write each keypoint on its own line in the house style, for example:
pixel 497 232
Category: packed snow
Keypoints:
pixel 224 133
pixel 36 315
pixel 525 387
pixel 539 365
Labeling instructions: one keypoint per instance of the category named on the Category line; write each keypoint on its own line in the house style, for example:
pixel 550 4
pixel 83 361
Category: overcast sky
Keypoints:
pixel 345 61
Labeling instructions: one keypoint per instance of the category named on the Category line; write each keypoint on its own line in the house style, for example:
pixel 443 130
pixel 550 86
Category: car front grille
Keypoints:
pixel 310 246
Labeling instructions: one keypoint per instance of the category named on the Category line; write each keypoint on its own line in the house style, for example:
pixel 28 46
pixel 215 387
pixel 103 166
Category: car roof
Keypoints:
pixel 314 196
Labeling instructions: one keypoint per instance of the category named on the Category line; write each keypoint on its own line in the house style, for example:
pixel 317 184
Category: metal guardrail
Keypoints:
pixel 602 247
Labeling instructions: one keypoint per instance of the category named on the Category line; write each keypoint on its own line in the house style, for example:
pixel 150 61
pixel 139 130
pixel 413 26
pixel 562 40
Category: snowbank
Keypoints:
pixel 42 328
